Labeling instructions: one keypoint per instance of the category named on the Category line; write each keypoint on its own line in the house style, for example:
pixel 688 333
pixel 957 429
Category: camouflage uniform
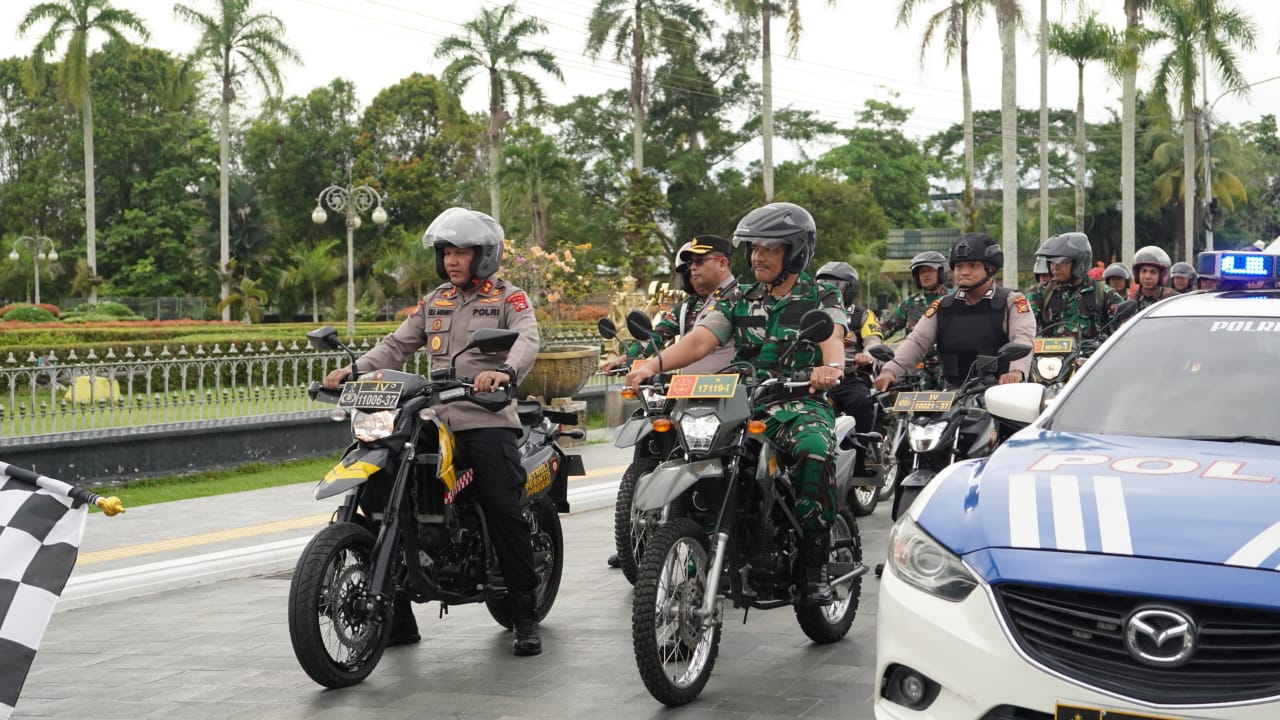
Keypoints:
pixel 1078 310
pixel 905 317
pixel 763 327
pixel 687 313
pixel 1146 301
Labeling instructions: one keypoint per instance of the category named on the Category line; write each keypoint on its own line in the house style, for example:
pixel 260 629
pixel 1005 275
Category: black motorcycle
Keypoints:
pixel 1058 357
pixel 885 443
pixel 406 525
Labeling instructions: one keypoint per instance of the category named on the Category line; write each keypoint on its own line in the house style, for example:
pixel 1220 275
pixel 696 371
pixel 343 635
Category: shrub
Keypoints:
pixel 113 310
pixel 29 313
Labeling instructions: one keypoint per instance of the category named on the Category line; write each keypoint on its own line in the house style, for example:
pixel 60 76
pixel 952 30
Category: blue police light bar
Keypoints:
pixel 1237 265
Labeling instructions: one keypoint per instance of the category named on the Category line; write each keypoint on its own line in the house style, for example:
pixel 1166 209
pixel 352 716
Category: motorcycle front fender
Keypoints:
pixel 919 478
pixel 632 432
pixel 670 479
pixel 357 466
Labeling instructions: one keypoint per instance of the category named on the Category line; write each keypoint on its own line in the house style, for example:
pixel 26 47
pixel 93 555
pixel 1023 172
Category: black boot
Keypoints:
pixel 404 626
pixel 614 562
pixel 815 588
pixel 524 620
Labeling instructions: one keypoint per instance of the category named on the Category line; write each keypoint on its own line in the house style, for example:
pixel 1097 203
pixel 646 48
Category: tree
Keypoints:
pixel 1135 39
pixel 314 270
pixel 235 35
pixel 954 22
pixel 76 20
pixel 1197 28
pixel 1229 163
pixel 492 44
pixel 248 298
pixel 534 167
pixel 633 26
pixel 1089 39
pixel 1007 17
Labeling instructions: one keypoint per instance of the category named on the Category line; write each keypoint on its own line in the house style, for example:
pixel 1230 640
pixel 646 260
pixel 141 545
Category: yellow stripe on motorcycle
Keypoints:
pixel 446 471
pixel 357 471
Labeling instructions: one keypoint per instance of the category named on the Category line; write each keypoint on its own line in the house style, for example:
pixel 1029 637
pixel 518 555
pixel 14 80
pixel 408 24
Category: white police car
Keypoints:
pixel 1120 557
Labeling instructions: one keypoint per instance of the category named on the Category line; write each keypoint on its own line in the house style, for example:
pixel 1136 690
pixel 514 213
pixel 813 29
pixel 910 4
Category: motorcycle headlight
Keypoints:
pixel 925 437
pixel 1048 366
pixel 699 431
pixel 370 426
pixel 923 563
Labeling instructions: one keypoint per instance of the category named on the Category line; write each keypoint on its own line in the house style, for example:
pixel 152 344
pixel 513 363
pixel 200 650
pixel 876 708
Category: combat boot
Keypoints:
pixel 815 584
pixel 524 621
pixel 404 626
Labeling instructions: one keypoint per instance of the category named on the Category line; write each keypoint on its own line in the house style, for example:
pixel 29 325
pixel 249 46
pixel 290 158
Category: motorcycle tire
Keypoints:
pixel 891 469
pixel 630 544
pixel 862 500
pixel 674 653
pixel 336 644
pixel 548 538
pixel 829 623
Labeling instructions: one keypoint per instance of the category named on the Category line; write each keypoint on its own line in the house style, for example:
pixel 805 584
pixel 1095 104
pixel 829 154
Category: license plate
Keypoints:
pixel 702 386
pixel 371 394
pixel 1053 346
pixel 1072 712
pixel 924 402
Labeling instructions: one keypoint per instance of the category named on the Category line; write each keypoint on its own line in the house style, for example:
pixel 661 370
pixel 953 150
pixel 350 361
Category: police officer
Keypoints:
pixel 929 273
pixel 1071 304
pixel 853 395
pixel 764 321
pixel 974 321
pixel 1151 269
pixel 468 250
pixel 1182 278
pixel 1117 276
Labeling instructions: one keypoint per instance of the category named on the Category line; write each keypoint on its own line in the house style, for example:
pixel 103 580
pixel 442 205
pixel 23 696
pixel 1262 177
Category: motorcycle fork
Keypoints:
pixel 394 528
pixel 725 519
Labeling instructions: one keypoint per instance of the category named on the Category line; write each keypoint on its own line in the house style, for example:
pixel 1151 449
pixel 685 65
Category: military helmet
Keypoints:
pixel 1041 266
pixel 1184 270
pixel 929 258
pixel 1073 246
pixel 1156 257
pixel 463 228
pixel 844 277
pixel 977 247
pixel 1115 270
pixel 780 222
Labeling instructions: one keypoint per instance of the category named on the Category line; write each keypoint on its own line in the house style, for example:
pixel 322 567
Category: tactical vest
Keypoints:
pixel 966 331
pixel 857 318
pixel 1054 305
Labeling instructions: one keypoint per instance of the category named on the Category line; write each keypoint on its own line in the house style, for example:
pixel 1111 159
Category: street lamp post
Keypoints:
pixel 1208 160
pixel 350 201
pixel 41 248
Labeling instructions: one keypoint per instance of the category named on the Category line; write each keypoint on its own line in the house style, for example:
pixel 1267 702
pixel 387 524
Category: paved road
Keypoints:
pixel 221 649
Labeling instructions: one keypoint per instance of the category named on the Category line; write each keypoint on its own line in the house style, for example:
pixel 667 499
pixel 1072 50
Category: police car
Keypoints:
pixel 1120 556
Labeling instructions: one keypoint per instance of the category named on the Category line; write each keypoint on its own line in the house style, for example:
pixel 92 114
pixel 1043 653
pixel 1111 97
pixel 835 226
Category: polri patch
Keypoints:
pixel 1021 304
pixel 932 309
pixel 519 301
pixel 417 308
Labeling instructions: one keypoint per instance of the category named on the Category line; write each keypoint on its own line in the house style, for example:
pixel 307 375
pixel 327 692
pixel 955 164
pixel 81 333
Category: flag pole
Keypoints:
pixel 110 506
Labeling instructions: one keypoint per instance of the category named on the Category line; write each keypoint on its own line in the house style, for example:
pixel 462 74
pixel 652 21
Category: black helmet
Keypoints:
pixel 780 222
pixel 461 228
pixel 977 247
pixel 929 258
pixel 844 277
pixel 1184 270
pixel 1074 246
pixel 1116 270
pixel 1154 256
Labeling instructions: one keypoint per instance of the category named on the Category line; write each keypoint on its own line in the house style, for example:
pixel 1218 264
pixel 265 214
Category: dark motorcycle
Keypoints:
pixel 731 530
pixel 1058 358
pixel 406 526
pixel 947 426
pixel 886 444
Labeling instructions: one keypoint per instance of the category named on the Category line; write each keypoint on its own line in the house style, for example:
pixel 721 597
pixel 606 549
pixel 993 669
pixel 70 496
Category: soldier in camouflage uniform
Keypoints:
pixel 1182 278
pixel 1071 304
pixel 1151 270
pixel 929 273
pixel 763 322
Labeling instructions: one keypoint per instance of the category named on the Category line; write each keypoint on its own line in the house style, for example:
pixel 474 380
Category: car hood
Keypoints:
pixel 1208 502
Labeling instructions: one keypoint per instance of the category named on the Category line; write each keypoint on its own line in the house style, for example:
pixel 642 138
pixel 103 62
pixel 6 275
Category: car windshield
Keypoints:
pixel 1181 377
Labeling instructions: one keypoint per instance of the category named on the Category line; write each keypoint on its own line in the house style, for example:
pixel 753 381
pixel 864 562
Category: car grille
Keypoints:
pixel 1081 635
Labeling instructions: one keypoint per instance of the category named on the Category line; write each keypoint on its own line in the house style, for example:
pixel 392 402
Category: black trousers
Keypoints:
pixel 499 487
pixel 853 398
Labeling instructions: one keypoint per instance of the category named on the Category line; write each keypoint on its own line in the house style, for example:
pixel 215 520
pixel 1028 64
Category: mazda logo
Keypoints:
pixel 1160 637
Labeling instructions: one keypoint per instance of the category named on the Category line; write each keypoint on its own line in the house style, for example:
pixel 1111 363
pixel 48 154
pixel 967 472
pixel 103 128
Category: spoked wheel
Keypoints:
pixel 548 561
pixel 862 499
pixel 891 468
pixel 674 649
pixel 631 528
pixel 336 638
pixel 829 623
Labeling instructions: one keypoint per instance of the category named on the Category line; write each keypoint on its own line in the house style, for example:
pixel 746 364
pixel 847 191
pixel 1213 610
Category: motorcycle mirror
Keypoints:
pixel 639 326
pixel 1124 311
pixel 1014 351
pixel 816 326
pixel 489 340
pixel 606 328
pixel 324 338
pixel 883 353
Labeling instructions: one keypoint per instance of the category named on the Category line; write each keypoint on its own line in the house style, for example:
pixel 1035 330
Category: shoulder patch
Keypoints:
pixel 933 308
pixel 519 301
pixel 417 310
pixel 1021 304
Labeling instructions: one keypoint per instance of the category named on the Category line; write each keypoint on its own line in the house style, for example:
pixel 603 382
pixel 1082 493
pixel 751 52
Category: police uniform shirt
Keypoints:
pixel 722 356
pixel 1019 325
pixel 443 323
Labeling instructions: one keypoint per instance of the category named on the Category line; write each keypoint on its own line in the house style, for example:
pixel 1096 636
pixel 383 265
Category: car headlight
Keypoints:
pixel 925 438
pixel 370 426
pixel 1048 366
pixel 922 562
pixel 699 431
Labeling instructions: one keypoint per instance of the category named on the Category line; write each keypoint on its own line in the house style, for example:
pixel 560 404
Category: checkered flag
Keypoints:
pixel 41 523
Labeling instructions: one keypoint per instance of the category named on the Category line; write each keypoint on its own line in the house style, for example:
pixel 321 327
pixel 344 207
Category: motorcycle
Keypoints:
pixel 1058 358
pixel 948 426
pixel 730 529
pixel 405 525
pixel 886 445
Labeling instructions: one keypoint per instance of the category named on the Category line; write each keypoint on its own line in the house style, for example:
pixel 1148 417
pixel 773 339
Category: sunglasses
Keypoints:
pixel 702 259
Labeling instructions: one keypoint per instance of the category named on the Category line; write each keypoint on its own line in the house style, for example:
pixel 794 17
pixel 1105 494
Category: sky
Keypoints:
pixel 850 51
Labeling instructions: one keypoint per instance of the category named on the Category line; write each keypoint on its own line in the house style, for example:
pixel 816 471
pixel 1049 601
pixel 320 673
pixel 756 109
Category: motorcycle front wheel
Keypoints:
pixel 674 650
pixel 630 531
pixel 891 467
pixel 336 639
pixel 547 537
pixel 829 623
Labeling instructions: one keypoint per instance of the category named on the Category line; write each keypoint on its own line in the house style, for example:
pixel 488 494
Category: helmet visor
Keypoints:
pixel 764 242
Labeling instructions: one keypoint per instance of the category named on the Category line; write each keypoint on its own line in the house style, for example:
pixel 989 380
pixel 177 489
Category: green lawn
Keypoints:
pixel 254 476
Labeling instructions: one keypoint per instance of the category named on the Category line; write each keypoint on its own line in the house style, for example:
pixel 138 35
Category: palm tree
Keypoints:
pixel 954 19
pixel 235 35
pixel 1089 39
pixel 249 297
pixel 1008 15
pixel 411 265
pixel 536 168
pixel 633 25
pixel 313 269
pixel 1201 32
pixel 1167 160
pixel 1134 41
pixel 76 19
pixel 492 44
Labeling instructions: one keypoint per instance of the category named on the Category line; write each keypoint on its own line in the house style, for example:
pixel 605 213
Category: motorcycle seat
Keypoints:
pixel 529 411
